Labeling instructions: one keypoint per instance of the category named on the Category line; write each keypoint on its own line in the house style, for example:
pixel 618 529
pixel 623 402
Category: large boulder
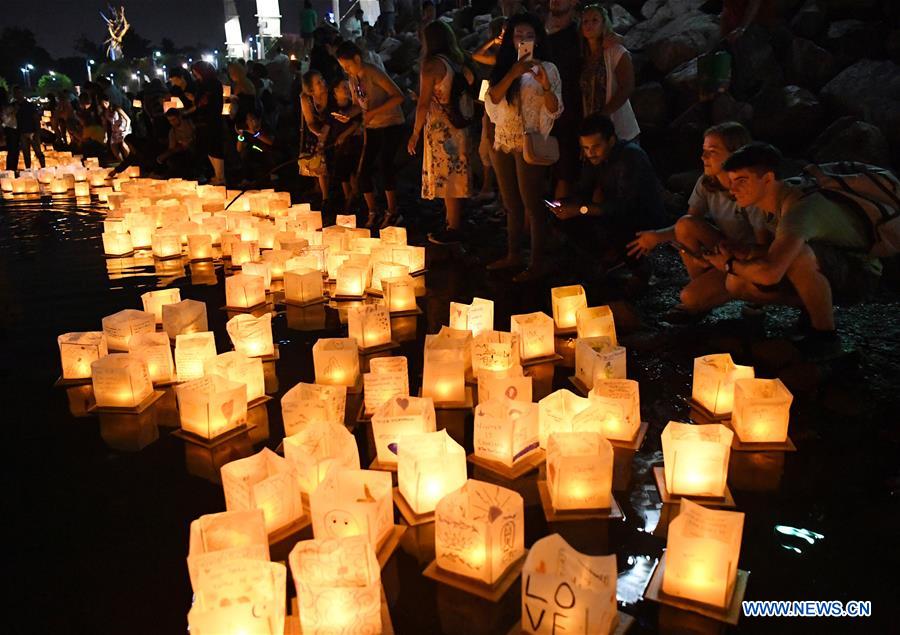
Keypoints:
pixel 810 20
pixel 870 90
pixel 851 40
pixel 754 63
pixel 650 106
pixel 789 116
pixel 674 32
pixel 683 84
pixel 809 65
pixel 622 20
pixel 849 139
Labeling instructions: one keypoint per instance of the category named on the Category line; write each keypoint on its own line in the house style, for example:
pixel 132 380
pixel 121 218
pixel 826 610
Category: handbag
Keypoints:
pixel 536 148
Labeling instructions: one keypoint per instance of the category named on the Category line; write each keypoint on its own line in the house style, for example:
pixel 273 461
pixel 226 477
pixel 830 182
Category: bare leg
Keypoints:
pixel 695 233
pixel 391 196
pixel 323 187
pixel 454 212
pixel 705 291
pixel 813 288
pixel 742 289
pixel 348 192
pixel 218 170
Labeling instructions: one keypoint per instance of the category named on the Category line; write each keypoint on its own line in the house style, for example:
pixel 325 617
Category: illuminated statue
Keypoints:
pixel 118 26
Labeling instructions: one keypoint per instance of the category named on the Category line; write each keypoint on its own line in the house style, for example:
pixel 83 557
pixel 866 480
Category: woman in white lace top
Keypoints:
pixel 525 96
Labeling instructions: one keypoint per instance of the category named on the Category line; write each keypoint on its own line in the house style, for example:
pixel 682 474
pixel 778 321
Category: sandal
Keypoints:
pixel 391 219
pixel 372 220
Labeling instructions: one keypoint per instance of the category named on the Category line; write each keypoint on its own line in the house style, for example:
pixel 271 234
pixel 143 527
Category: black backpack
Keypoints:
pixel 461 109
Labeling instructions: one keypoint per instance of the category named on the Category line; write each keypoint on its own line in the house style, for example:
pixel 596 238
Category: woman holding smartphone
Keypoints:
pixel 524 96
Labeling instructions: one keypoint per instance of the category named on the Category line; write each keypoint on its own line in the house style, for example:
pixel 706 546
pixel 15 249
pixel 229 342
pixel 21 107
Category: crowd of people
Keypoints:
pixel 556 136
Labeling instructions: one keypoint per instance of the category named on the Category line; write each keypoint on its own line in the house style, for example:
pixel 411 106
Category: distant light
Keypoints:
pixel 184 65
pixel 29 67
pixel 159 71
pixel 134 76
pixel 207 58
pixel 216 51
pixel 52 73
pixel 91 62
pixel 156 53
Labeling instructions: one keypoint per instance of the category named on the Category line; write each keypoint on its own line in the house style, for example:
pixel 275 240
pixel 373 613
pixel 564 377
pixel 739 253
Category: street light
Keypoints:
pixel 26 73
pixel 89 73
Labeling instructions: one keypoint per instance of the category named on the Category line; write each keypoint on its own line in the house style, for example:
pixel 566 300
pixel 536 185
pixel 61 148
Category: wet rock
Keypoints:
pixel 790 116
pixel 683 182
pixel 842 402
pixel 726 108
pixel 622 20
pixel 675 32
pixel 683 82
pixel 810 20
pixel 754 63
pixel 809 65
pixel 482 21
pixel 650 105
pixel 801 377
pixel 871 90
pixel 849 139
pixel 773 354
pixel 853 39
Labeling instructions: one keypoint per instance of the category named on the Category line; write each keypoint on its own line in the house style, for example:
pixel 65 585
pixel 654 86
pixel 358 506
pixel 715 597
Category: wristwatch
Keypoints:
pixel 583 210
pixel 729 265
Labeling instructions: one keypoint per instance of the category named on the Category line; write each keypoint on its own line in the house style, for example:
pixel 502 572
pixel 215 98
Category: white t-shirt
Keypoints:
pixel 735 222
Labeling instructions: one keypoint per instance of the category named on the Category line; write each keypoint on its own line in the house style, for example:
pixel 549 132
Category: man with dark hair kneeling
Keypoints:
pixel 619 195
pixel 819 249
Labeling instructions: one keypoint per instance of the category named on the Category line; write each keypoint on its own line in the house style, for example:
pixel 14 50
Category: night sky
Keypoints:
pixel 57 23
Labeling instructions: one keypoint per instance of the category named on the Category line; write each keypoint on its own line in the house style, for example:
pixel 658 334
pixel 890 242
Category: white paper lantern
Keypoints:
pixel 714 377
pixel 396 418
pixel 399 294
pixel 153 301
pixel 618 407
pixel 251 336
pixel 120 380
pixel 156 352
pixel 506 431
pixel 187 316
pixel 369 325
pixel 695 458
pixel 353 502
pixel 596 321
pixel 263 481
pixel 243 291
pixel 430 465
pixel 216 538
pixel 317 449
pixel 117 244
pixel 307 403
pixel 336 362
pixel 211 406
pixel 579 471
pixel 239 368
pixel 388 377
pixel 78 350
pixel 120 327
pixel 303 286
pixel 597 357
pixel 192 350
pixel 535 331
pixel 566 301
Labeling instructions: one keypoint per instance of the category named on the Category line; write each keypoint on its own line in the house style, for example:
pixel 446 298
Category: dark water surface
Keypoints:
pixel 100 507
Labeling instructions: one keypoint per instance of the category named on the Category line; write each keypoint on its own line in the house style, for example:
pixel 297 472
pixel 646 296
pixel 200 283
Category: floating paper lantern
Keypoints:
pixel 345 220
pixel 618 408
pixel 393 235
pixel 476 317
pixel 251 336
pixel 154 301
pixel 399 294
pixel 303 286
pixel 714 377
pixel 702 552
pixel 119 327
pixel 430 465
pixel 237 367
pixel 495 351
pixel 443 377
pixel 216 538
pixel 562 586
pixel 277 260
pixel 566 301
pixel 263 481
pixel 399 417
pixel 535 331
pixel 200 246
pixel 261 269
pixel 338 586
pixel 596 321
pixel 412 257
pixel 58 186
pixel 512 384
pixel 191 353
pixel 156 352
pixel 579 470
pixel 117 244
pixel 307 403
pixel 564 411
pixel 211 406
pixel 353 502
pixel 120 380
pixel 317 449
pixel 187 316
pixel 695 458
pixel 244 251
pixel 385 271
pixel 351 281
pixel 334 261
pixel 243 291
pixel 336 362
pixel 82 189
pixel 141 235
pixel 389 377
pixel 78 350
pixel 597 357
pixel 165 245
pixel 320 255
pixel 762 410
pixel 239 596
pixel 369 325
pixel 479 531
pixel 506 431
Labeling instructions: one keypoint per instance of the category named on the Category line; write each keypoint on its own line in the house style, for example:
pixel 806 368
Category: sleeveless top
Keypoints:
pixel 369 95
pixel 626 123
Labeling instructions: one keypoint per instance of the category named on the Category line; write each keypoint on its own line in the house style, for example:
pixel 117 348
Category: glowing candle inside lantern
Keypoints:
pixel 762 409
pixel 714 377
pixel 78 350
pixel 695 458
pixel 565 302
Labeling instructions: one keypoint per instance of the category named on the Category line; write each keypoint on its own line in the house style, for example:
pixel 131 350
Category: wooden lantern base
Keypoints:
pixel 151 399
pixel 258 401
pixel 273 356
pixel 389 546
pixel 412 518
pixel 546 359
pixel 524 466
pixel 659 474
pixel 489 592
pixel 579 386
pixel 623 624
pixel 614 512
pixel 408 312
pixel 371 350
pixel 172 257
pixel 382 467
pixel 707 414
pixel 729 615
pixel 636 440
pixel 466 404
pixel 361 415
pixel 289 530
pixel 65 383
pixel 749 446
pixel 321 300
pixel 114 256
pixel 248 309
pixel 565 331
pixel 196 439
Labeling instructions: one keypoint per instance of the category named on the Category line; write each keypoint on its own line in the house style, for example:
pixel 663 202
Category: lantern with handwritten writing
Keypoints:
pixel 215 538
pixel 762 410
pixel 338 585
pixel 120 380
pixel 318 448
pixel 263 481
pixel 564 411
pixel 154 301
pixel 479 531
pixel 393 235
pixel 353 502
pixel 695 458
pixel 243 252
pixel 596 321
pixel 535 331
pixel 261 269
pixel 336 361
pixel 120 327
pixel 306 403
pixel 399 293
pixel 243 291
pixel 495 351
pixel 565 302
pixel 597 357
pixel 430 465
pixel 156 351
pixel 239 368
pixel 506 431
pixel 239 595
pixel 369 325
pixel 714 377
pixel 303 286
pixel 561 586
pixel 702 552
pixel 386 270
pixel 618 408
pixel 511 384
pixel 388 377
pixel 251 336
pixel 191 352
pixel 78 350
pixel 187 316
pixel 579 470
pixel 211 406
pixel 397 417
pixel 476 317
